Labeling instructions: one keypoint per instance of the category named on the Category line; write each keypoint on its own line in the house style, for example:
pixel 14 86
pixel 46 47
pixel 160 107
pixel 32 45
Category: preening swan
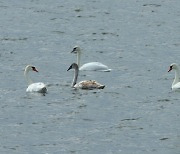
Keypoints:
pixel 92 66
pixel 34 87
pixel 176 82
pixel 86 84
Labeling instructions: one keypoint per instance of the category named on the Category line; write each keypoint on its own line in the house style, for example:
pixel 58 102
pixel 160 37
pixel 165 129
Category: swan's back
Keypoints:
pixel 176 87
pixel 89 84
pixel 37 87
pixel 94 66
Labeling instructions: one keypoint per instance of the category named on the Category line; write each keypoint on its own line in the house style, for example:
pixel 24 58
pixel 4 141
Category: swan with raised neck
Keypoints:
pixel 86 84
pixel 91 66
pixel 33 87
pixel 176 82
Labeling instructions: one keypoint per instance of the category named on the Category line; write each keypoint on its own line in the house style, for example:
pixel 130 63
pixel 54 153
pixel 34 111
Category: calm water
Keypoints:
pixel 135 114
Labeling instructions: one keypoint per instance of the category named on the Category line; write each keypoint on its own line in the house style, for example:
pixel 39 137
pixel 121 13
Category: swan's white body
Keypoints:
pixel 92 66
pixel 176 82
pixel 86 84
pixel 34 87
pixel 37 87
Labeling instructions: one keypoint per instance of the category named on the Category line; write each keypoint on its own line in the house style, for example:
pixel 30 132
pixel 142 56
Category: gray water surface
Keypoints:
pixel 136 113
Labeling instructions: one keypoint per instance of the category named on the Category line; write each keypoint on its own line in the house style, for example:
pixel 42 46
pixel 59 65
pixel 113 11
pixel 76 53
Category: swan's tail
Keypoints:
pixel 101 87
pixel 108 70
pixel 43 90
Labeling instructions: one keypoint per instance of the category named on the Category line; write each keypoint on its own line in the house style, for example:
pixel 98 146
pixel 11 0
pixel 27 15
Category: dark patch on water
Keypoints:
pixel 13 39
pixel 155 5
pixel 130 119
pixel 78 10
pixel 163 100
pixel 164 138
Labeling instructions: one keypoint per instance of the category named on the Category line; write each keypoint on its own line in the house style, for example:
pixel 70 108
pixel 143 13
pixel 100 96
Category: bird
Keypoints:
pixel 33 87
pixel 86 84
pixel 176 82
pixel 91 66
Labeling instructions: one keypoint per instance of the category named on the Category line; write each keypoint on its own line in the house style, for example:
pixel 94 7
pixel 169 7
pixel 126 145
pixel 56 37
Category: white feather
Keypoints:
pixel 37 87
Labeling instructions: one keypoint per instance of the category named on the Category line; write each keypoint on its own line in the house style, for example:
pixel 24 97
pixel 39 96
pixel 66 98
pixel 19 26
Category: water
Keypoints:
pixel 135 113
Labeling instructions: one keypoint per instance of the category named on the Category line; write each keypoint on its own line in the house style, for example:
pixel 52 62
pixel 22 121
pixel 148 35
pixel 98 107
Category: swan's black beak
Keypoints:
pixel 170 68
pixel 69 68
pixel 74 50
pixel 34 69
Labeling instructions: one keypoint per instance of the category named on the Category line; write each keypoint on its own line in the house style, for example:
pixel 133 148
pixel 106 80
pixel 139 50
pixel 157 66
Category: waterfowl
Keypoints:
pixel 86 84
pixel 176 82
pixel 91 66
pixel 33 87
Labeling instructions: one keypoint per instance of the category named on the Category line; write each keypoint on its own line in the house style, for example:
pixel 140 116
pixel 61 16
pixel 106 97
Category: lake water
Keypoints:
pixel 136 113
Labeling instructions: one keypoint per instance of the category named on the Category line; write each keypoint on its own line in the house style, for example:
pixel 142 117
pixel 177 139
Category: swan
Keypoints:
pixel 86 84
pixel 33 87
pixel 176 82
pixel 92 66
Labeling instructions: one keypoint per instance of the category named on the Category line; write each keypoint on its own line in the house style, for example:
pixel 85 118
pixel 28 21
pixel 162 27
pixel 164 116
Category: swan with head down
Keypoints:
pixel 33 87
pixel 86 84
pixel 92 66
pixel 176 82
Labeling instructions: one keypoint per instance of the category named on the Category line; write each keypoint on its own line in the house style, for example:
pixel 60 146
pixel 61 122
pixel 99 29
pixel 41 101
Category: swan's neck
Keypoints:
pixel 75 77
pixel 177 75
pixel 78 58
pixel 29 81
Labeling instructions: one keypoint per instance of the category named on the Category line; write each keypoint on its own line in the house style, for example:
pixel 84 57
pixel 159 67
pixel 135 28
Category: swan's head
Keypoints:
pixel 173 66
pixel 30 68
pixel 76 49
pixel 73 66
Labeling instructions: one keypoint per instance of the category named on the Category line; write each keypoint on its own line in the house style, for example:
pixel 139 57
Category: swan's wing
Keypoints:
pixel 37 87
pixel 89 84
pixel 94 66
pixel 176 87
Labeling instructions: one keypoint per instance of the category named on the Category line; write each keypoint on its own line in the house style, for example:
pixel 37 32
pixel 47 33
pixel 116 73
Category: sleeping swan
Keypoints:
pixel 176 82
pixel 34 87
pixel 92 66
pixel 86 84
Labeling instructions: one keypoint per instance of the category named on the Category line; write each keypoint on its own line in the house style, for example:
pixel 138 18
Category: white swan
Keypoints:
pixel 34 87
pixel 86 84
pixel 176 82
pixel 92 66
